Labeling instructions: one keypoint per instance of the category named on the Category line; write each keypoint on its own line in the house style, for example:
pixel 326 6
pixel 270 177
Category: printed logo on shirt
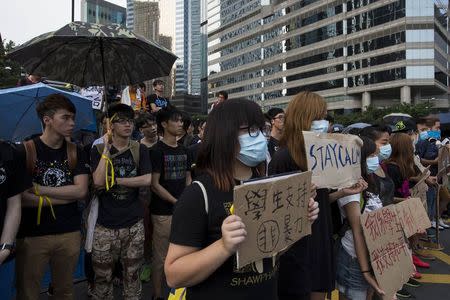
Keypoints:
pixel 175 166
pixel 161 102
pixel 2 175
pixel 53 174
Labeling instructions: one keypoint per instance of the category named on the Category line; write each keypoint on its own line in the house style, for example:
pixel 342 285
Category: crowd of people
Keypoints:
pixel 149 189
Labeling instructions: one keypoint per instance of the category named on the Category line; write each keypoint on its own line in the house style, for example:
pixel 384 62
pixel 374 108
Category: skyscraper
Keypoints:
pixel 130 14
pixel 188 47
pixel 102 12
pixel 354 52
pixel 146 19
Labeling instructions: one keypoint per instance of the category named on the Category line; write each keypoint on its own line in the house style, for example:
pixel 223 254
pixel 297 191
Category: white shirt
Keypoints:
pixel 373 203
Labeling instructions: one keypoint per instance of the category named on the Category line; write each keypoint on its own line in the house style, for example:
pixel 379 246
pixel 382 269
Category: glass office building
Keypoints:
pixel 102 12
pixel 352 52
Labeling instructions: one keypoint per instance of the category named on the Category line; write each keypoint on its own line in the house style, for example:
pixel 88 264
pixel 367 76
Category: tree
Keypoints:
pixel 375 115
pixel 10 71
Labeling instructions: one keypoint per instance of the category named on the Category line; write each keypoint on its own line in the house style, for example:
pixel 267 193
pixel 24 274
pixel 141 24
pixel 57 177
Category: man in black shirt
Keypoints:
pixel 157 101
pixel 119 232
pixel 13 181
pixel 171 174
pixel 276 116
pixel 50 227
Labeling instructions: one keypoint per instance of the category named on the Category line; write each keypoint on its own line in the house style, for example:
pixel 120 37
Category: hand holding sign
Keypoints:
pixel 233 233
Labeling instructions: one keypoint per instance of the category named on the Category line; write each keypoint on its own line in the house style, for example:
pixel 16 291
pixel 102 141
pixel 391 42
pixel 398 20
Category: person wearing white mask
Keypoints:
pixel 201 255
pixel 380 135
pixel 306 269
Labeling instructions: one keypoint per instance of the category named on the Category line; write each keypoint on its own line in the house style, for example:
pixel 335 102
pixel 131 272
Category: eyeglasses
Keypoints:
pixel 281 118
pixel 253 131
pixel 267 130
pixel 124 121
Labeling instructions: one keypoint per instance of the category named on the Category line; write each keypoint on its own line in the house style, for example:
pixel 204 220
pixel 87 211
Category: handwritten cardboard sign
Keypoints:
pixel 274 211
pixel 412 216
pixel 443 164
pixel 420 191
pixel 334 159
pixel 389 254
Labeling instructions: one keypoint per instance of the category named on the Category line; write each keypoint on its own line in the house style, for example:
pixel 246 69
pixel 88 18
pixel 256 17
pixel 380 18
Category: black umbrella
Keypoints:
pixel 88 54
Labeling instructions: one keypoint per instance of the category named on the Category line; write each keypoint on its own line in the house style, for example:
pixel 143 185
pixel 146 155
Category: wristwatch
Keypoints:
pixel 4 246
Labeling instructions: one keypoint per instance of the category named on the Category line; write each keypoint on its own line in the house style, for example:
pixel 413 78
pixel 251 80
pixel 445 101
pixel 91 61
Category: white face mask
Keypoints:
pixel 320 126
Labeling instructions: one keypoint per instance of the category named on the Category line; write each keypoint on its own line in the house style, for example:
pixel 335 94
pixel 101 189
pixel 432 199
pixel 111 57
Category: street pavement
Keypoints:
pixel 435 281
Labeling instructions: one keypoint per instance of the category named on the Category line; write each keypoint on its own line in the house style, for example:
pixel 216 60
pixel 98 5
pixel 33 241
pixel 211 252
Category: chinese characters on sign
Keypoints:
pixel 334 159
pixel 275 213
pixel 389 254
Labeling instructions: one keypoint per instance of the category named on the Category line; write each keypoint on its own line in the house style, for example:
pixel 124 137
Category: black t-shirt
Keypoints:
pixel 13 177
pixel 295 267
pixel 171 163
pixel 119 207
pixel 158 101
pixel 52 169
pixel 204 229
pixel 273 145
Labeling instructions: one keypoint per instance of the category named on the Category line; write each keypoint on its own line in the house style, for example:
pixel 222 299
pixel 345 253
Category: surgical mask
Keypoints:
pixel 373 163
pixel 434 134
pixel 423 135
pixel 385 152
pixel 253 149
pixel 320 126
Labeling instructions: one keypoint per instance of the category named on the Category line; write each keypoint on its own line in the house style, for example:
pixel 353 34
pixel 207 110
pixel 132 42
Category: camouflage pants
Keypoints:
pixel 111 244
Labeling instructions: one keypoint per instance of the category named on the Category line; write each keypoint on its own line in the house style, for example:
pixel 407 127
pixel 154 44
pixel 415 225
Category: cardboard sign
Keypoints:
pixel 389 254
pixel 275 213
pixel 412 216
pixel 443 164
pixel 334 159
pixel 420 191
pixel 418 163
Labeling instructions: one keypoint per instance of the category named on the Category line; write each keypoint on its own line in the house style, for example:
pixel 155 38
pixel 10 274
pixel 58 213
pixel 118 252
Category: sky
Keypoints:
pixel 21 20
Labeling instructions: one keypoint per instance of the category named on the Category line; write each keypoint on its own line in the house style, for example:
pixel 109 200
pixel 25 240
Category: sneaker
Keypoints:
pixel 418 263
pixel 416 275
pixel 433 225
pixel 442 224
pixel 413 283
pixel 403 294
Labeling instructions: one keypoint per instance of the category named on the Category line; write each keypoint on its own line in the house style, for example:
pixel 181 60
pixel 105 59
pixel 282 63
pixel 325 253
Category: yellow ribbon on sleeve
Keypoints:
pixel 41 203
pixel 109 165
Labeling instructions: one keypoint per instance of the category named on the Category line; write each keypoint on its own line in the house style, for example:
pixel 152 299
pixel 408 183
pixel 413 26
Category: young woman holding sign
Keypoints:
pixel 354 275
pixel 306 269
pixel 204 237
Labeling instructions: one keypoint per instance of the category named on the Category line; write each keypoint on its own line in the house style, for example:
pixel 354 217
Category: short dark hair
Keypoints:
pixel 120 110
pixel 51 104
pixel 374 132
pixel 223 93
pixel 165 114
pixel 329 118
pixel 143 119
pixel 187 121
pixel 274 111
pixel 157 81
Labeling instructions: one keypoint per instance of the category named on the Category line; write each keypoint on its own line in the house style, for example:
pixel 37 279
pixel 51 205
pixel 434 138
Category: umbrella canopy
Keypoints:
pixel 18 110
pixel 89 54
pixel 393 118
pixel 355 126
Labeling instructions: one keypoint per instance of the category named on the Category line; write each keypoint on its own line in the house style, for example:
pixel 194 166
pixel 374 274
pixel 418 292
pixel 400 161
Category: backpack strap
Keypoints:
pixel 133 147
pixel 135 151
pixel 72 155
pixel 31 157
pixel 205 195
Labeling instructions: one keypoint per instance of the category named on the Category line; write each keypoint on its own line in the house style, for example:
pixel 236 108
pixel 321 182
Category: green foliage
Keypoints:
pixel 199 117
pixel 375 115
pixel 9 70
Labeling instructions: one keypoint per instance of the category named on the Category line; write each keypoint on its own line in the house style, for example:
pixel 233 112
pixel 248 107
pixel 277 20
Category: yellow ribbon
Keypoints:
pixel 41 203
pixel 108 162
